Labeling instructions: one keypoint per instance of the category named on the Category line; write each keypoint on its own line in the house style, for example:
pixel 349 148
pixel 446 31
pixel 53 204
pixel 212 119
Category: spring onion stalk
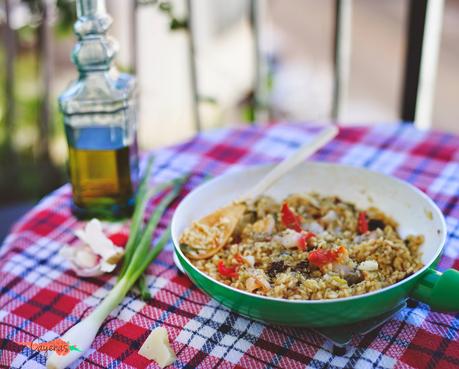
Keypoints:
pixel 82 334
pixel 140 254
pixel 142 200
pixel 135 271
pixel 147 234
pixel 142 285
pixel 150 228
pixel 144 194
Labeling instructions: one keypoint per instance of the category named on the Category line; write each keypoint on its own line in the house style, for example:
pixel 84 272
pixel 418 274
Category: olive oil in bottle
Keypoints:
pixel 103 172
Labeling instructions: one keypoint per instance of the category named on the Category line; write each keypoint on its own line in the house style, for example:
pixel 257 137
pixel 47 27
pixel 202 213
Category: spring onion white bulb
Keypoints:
pixel 82 334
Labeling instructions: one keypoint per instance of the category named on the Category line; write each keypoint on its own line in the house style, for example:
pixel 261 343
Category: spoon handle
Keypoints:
pixel 286 165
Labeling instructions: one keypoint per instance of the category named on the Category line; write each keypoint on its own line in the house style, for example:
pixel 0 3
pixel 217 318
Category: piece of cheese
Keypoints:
pixel 156 347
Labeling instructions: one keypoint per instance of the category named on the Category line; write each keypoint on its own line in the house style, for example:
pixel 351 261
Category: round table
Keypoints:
pixel 40 297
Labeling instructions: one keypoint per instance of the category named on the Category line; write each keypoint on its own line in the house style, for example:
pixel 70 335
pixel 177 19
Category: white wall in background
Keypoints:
pixel 120 11
pixel 224 62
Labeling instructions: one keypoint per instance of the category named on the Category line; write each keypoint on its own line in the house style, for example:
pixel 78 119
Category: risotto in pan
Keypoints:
pixel 306 247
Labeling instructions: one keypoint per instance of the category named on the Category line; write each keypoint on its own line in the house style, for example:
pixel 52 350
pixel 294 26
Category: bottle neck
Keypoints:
pixel 100 93
pixel 94 50
pixel 90 7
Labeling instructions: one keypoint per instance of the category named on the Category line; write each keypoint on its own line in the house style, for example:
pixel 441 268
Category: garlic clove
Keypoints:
pixel 95 254
pixel 94 236
pixel 83 262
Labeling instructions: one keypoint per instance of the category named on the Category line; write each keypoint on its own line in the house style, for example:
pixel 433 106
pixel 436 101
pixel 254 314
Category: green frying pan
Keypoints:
pixel 413 210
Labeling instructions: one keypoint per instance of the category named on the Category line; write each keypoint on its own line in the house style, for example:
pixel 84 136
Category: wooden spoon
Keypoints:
pixel 224 221
pixel 305 151
pixel 221 223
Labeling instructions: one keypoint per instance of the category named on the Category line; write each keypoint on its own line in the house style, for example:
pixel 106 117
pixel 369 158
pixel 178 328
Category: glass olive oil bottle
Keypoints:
pixel 100 122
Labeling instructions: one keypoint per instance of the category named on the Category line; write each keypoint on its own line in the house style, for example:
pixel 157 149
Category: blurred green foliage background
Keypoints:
pixel 27 170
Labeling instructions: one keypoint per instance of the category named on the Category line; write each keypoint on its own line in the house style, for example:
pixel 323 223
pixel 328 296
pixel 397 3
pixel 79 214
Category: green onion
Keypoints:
pixel 134 234
pixel 142 285
pixel 144 195
pixel 140 253
pixel 140 257
pixel 141 201
pixel 137 270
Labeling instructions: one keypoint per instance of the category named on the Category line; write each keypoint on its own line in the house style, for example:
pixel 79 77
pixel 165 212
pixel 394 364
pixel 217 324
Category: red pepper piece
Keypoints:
pixel 290 219
pixel 303 241
pixel 320 257
pixel 362 223
pixel 239 258
pixel 119 239
pixel 227 271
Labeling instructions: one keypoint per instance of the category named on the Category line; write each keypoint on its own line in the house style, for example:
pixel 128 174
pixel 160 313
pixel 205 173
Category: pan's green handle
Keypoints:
pixel 439 290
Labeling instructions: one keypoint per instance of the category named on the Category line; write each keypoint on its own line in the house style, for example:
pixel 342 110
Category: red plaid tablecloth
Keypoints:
pixel 40 297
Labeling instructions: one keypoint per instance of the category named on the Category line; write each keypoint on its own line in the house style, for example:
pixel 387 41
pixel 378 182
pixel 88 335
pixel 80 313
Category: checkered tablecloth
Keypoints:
pixel 40 297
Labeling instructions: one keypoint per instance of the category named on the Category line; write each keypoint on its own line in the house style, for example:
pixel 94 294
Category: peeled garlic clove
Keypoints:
pixel 94 236
pixel 85 258
pixel 82 260
pixel 95 255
